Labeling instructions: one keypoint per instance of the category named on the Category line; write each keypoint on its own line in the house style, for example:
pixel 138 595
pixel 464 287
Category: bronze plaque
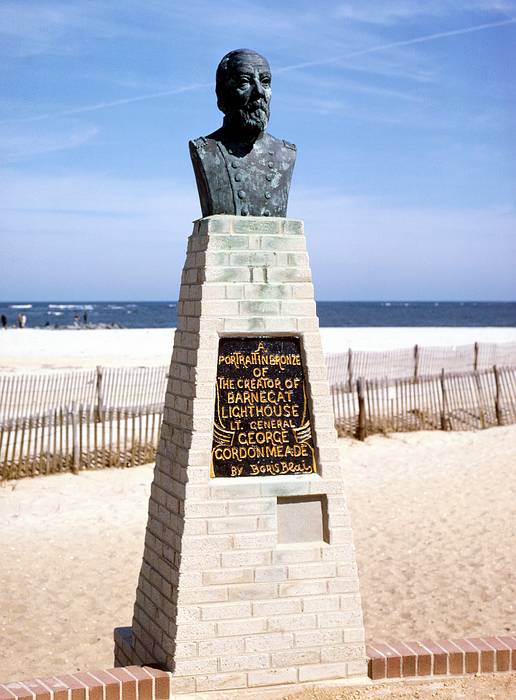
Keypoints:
pixel 262 421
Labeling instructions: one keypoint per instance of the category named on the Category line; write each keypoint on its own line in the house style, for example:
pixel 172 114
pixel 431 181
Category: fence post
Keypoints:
pixel 444 409
pixel 416 361
pixel 361 428
pixel 350 369
pixel 475 357
pixel 75 439
pixel 480 399
pixel 100 395
pixel 333 392
pixel 498 408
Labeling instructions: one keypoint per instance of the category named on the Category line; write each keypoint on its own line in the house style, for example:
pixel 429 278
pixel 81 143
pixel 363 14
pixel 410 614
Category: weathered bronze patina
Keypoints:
pixel 240 168
pixel 262 421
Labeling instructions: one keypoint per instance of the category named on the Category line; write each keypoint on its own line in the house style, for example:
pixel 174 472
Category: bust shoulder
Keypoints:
pixel 202 144
pixel 208 143
pixel 279 143
pixel 287 150
pixel 197 143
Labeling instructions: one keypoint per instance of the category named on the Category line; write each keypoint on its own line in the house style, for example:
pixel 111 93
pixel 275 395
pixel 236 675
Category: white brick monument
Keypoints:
pixel 248 585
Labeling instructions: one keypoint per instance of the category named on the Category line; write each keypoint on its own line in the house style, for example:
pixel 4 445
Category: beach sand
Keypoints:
pixel 28 349
pixel 434 516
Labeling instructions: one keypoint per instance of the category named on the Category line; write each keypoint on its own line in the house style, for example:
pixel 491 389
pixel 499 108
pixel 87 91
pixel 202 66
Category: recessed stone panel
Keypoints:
pixel 302 519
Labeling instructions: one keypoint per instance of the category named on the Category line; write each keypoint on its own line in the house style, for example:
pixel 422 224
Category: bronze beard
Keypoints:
pixel 250 120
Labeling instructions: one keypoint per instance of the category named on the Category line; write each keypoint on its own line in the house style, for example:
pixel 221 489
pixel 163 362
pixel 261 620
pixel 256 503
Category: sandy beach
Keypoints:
pixel 433 513
pixel 434 517
pixel 29 349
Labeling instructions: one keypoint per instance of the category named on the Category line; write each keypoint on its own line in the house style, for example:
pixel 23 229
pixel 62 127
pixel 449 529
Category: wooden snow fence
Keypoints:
pixel 79 419
pixel 444 401
pixel 102 388
pixel 75 438
pixel 417 361
pixel 111 417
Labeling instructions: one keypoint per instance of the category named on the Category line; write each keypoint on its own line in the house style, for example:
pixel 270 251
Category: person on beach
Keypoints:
pixel 22 320
pixel 4 321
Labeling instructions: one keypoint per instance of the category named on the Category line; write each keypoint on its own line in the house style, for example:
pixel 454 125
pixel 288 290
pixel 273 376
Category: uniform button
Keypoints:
pixel 266 212
pixel 234 165
pixel 238 177
pixel 245 211
pixel 270 164
pixel 241 194
pixel 267 195
pixel 269 177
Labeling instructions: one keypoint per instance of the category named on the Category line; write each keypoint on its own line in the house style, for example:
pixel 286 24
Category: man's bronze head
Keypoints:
pixel 243 87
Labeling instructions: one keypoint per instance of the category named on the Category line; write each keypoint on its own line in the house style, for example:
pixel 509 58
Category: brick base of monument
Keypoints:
pixel 251 581
pixel 454 657
pixel 421 661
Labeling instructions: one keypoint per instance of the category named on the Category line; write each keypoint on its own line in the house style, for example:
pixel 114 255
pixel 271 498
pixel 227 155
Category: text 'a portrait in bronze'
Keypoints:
pixel 262 423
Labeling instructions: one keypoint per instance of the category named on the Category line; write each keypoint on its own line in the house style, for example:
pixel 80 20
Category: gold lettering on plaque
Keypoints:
pixel 262 423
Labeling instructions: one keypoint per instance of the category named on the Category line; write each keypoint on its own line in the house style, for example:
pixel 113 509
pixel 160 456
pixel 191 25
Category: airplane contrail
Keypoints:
pixel 396 44
pixel 285 69
pixel 112 103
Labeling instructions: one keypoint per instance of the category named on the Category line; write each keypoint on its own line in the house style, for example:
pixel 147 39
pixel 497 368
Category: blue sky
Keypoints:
pixel 403 113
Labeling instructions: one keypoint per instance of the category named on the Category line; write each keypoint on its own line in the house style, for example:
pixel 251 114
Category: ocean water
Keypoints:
pixel 162 314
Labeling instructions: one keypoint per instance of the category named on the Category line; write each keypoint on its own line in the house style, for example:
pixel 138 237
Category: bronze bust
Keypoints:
pixel 240 168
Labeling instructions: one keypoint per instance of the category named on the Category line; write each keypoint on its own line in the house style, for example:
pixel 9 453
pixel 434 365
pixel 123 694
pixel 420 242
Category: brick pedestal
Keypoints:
pixel 220 602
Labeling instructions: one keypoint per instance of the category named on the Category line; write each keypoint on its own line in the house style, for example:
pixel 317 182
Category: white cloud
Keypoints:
pixel 90 204
pixel 114 237
pixel 84 109
pixel 17 144
pixel 51 27
pixel 325 37
pixel 391 12
pixel 397 11
pixel 336 84
pixel 369 249
pixel 422 39
pixel 79 235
